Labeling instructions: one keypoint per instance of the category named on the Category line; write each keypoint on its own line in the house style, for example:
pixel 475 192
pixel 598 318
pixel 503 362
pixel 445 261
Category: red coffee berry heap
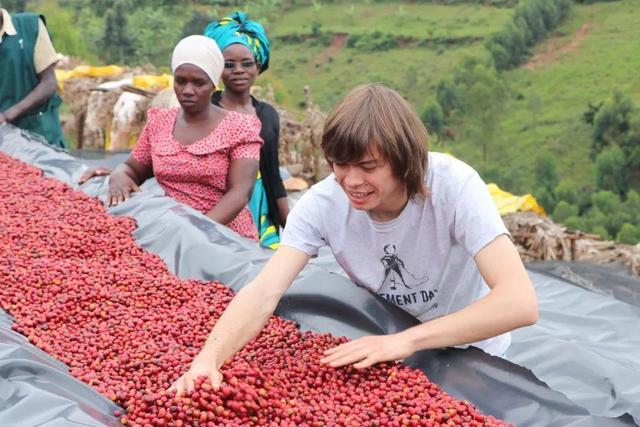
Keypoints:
pixel 80 288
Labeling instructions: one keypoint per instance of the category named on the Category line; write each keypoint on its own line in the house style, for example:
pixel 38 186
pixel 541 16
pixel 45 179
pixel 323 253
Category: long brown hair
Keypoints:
pixel 375 114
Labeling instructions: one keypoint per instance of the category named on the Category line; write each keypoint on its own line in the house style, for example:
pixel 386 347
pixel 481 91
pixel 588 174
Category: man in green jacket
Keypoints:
pixel 28 97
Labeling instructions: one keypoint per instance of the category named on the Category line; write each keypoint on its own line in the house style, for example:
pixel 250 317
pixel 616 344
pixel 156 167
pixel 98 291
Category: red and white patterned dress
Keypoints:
pixel 196 174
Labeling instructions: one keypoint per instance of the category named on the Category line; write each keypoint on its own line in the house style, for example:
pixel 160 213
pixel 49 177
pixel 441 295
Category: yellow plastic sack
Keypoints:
pixel 86 71
pixel 62 76
pixel 149 82
pixel 509 203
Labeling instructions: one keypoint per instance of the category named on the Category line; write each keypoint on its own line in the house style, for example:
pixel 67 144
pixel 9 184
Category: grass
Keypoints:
pixel 420 21
pixel 414 72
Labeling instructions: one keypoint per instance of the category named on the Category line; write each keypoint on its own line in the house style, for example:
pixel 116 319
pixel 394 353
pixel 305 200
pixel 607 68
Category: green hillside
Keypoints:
pixel 425 40
pixel 548 102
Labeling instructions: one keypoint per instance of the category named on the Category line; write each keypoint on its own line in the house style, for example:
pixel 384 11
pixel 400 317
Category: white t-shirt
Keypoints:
pixel 421 261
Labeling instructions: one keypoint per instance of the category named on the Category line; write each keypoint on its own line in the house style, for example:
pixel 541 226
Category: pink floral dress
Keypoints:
pixel 196 174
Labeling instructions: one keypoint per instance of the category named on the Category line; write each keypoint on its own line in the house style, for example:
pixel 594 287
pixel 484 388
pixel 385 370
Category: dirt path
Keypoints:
pixel 338 41
pixel 552 50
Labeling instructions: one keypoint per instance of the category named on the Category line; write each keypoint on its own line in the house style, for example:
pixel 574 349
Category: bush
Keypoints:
pixel 606 202
pixel 545 198
pixel 116 43
pixel 15 6
pixel 611 123
pixel 612 173
pixel 448 97
pixel 564 210
pixel 545 171
pixel 601 231
pixel 594 218
pixel 432 116
pixel 567 192
pixel 629 234
pixel 67 38
pixel 632 206
pixel 532 21
pixel 575 223
pixel 615 221
pixel 372 42
pixel 153 29
pixel 196 23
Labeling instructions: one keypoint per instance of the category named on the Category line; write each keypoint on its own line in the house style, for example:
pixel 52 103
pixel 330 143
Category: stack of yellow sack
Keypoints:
pixel 87 71
pixel 509 203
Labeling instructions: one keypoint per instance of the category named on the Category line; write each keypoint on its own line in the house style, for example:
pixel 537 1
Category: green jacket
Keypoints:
pixel 18 77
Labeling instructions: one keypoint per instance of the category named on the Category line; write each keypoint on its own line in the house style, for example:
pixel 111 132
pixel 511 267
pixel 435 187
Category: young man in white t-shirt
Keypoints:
pixel 417 228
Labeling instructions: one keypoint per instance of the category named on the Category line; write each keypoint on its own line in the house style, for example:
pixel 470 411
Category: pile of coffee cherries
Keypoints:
pixel 81 289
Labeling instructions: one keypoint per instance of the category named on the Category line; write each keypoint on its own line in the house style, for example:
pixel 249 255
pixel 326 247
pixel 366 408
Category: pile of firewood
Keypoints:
pixel 538 238
pixel 300 150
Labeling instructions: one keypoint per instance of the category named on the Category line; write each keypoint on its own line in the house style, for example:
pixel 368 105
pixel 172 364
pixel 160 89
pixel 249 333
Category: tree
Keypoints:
pixel 632 206
pixel 575 223
pixel 68 38
pixel 612 173
pixel 15 6
pixel 546 175
pixel 155 36
pixel 630 143
pixel 601 231
pixel 196 23
pixel 533 18
pixel 564 210
pixel 549 11
pixel 546 171
pixel 447 96
pixel 116 44
pixel 605 201
pixel 432 116
pixel 611 123
pixel 545 198
pixel 609 205
pixel 502 57
pixel 592 109
pixel 594 222
pixel 508 46
pixel 567 191
pixel 482 94
pixel 629 234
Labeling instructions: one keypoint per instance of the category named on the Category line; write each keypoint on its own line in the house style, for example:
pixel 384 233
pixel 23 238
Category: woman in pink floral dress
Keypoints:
pixel 200 154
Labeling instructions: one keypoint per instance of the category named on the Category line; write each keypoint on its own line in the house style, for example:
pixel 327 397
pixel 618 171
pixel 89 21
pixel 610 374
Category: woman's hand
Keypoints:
pixel 120 188
pixel 200 367
pixel 368 351
pixel 91 173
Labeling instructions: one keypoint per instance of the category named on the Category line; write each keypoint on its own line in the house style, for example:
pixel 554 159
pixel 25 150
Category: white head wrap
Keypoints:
pixel 202 52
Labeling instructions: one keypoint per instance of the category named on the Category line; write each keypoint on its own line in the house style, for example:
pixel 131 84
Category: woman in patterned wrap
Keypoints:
pixel 201 155
pixel 246 52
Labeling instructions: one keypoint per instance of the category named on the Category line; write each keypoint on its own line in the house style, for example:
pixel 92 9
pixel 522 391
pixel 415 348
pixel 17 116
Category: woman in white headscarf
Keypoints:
pixel 200 154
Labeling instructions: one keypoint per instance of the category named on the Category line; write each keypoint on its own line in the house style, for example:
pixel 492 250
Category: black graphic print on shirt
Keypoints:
pixel 395 272
pixel 409 287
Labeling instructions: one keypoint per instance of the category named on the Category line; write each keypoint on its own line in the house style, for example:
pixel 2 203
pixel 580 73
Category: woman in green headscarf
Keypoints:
pixel 246 50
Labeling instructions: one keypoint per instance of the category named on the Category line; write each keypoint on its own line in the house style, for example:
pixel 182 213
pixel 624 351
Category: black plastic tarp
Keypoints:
pixel 585 344
pixel 195 247
pixel 612 280
pixel 37 390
